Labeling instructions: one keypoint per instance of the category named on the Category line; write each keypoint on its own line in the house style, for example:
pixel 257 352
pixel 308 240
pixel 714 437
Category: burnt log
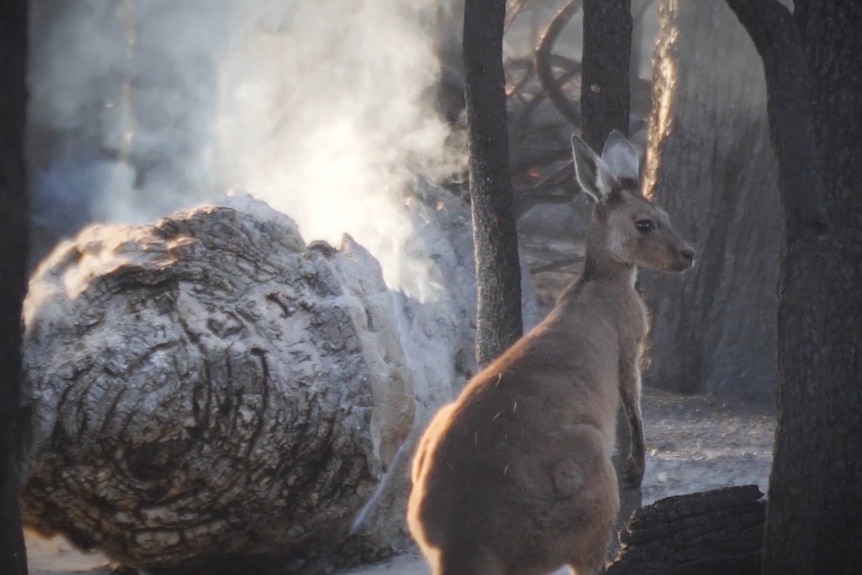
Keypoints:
pixel 209 391
pixel 712 532
pixel 202 386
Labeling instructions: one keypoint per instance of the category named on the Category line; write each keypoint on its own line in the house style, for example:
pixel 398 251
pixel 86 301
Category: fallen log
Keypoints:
pixel 715 532
pixel 209 394
pixel 208 386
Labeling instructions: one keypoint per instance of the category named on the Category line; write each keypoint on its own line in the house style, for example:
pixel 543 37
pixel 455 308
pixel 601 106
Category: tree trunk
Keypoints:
pixel 814 516
pixel 13 279
pixel 498 273
pixel 812 528
pixel 710 164
pixel 605 107
pixel 605 69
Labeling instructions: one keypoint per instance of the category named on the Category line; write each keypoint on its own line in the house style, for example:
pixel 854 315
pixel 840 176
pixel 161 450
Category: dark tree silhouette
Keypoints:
pixel 13 244
pixel 605 93
pixel 814 77
pixel 605 64
pixel 498 274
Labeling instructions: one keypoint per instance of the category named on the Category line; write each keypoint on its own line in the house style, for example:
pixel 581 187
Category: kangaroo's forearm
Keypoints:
pixel 636 427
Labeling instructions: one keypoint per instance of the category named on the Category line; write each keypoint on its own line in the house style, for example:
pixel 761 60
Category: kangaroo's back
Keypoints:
pixel 515 476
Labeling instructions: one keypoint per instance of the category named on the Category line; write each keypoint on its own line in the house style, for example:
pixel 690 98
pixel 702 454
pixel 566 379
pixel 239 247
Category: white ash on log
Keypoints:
pixel 209 388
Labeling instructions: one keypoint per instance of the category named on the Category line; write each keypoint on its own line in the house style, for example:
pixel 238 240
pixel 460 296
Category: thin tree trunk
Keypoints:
pixel 498 274
pixel 13 247
pixel 605 106
pixel 605 64
pixel 711 165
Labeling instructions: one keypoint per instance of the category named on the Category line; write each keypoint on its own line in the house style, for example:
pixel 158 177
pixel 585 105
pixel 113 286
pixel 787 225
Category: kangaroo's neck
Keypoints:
pixel 599 265
pixel 598 269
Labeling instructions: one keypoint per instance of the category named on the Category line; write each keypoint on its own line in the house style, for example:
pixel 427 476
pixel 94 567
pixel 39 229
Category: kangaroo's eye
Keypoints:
pixel 644 226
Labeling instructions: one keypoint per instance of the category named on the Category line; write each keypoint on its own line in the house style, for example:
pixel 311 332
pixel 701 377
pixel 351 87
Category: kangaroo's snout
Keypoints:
pixel 685 259
pixel 688 255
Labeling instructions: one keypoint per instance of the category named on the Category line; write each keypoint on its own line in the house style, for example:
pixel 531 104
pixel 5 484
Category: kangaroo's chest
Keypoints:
pixel 632 315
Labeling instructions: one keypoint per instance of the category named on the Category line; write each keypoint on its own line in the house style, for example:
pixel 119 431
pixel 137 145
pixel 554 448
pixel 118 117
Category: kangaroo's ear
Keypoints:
pixel 621 156
pixel 592 173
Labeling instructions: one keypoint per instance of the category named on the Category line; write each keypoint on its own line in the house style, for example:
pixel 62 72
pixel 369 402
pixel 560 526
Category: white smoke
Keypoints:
pixel 322 108
pixel 125 91
pixel 337 116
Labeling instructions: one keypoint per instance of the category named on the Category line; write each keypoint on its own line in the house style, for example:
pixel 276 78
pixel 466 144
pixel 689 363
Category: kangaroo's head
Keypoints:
pixel 626 229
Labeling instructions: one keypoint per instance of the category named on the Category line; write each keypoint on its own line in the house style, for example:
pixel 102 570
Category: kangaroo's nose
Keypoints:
pixel 688 255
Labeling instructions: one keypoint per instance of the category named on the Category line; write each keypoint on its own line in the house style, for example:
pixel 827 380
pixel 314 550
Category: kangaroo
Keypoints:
pixel 515 476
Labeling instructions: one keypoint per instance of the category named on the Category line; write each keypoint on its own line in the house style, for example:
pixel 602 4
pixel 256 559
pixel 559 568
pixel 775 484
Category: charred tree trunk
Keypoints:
pixel 605 107
pixel 498 274
pixel 814 515
pixel 711 165
pixel 813 520
pixel 13 250
pixel 605 64
pixel 816 522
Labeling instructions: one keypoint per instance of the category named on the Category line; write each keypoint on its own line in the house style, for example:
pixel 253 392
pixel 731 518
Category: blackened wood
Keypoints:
pixel 13 247
pixel 814 516
pixel 605 106
pixel 606 62
pixel 712 532
pixel 498 274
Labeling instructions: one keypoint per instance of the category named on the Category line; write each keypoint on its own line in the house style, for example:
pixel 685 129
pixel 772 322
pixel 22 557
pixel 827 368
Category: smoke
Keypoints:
pixel 323 108
pixel 125 91
pixel 337 117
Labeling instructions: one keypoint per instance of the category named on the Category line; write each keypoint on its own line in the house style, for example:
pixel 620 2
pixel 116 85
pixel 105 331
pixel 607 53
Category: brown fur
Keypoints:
pixel 515 476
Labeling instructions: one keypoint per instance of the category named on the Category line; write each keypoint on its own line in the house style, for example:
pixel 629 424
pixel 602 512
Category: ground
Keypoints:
pixel 693 443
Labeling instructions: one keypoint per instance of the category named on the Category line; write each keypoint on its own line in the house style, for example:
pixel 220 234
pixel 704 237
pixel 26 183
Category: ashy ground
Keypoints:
pixel 694 444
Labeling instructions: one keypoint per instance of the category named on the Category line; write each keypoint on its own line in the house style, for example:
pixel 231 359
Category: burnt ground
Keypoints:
pixel 693 444
pixel 699 443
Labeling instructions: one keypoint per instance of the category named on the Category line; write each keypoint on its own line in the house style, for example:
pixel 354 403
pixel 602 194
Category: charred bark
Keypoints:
pixel 13 251
pixel 498 273
pixel 814 514
pixel 606 67
pixel 791 122
pixel 605 107
pixel 710 533
pixel 710 163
